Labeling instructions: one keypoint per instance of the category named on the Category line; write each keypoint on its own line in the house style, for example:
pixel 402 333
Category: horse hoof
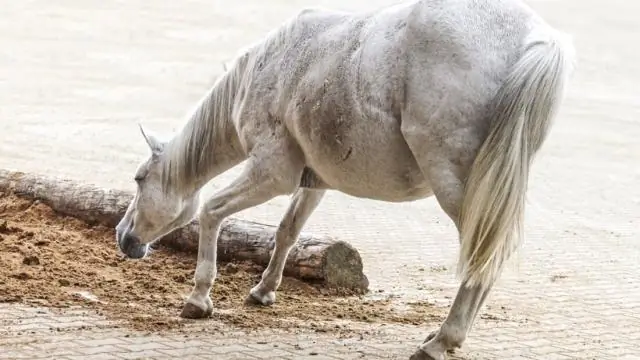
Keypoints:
pixel 420 355
pixel 254 299
pixel 191 311
pixel 251 301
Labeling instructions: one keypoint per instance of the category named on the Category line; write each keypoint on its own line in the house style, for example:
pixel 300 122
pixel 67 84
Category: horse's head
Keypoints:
pixel 152 213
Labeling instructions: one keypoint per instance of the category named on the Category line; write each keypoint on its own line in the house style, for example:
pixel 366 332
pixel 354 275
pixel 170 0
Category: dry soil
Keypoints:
pixel 57 261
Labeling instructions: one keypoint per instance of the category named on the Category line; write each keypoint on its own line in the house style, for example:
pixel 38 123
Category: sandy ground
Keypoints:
pixel 77 76
pixel 46 262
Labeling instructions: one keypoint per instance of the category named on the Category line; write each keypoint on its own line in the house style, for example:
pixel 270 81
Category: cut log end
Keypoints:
pixel 343 267
pixel 333 263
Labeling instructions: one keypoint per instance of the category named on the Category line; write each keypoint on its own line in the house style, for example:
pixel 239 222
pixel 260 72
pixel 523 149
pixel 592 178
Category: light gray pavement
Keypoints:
pixel 77 76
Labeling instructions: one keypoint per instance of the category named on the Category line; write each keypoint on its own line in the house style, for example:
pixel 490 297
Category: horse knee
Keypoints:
pixel 212 206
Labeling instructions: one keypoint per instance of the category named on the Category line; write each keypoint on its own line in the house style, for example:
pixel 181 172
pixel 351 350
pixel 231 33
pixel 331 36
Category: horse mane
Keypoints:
pixel 193 150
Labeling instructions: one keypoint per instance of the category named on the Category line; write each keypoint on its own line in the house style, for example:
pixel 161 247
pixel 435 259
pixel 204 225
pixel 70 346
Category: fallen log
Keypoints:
pixel 325 260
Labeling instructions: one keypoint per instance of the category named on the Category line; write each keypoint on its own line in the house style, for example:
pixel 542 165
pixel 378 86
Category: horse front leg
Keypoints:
pixel 304 202
pixel 253 187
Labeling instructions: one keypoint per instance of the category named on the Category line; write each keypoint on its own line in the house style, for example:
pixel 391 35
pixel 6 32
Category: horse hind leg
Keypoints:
pixel 304 202
pixel 446 166
pixel 478 306
pixel 448 189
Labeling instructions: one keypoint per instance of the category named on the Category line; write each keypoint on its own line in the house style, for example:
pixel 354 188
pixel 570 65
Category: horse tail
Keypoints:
pixel 492 212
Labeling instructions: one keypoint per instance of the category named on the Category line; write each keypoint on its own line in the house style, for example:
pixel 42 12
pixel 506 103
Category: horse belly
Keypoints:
pixel 364 163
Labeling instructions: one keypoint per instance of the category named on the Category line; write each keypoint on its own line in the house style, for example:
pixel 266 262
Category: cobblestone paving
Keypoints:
pixel 76 77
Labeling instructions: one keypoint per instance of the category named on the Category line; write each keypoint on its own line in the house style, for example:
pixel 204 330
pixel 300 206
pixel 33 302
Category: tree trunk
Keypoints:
pixel 334 263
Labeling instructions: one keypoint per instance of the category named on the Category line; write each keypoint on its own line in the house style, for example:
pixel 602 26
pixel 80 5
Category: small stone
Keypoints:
pixel 231 268
pixel 22 276
pixel 31 260
pixel 4 228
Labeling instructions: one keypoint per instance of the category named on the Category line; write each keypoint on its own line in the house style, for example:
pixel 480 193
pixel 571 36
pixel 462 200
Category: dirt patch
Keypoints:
pixel 56 261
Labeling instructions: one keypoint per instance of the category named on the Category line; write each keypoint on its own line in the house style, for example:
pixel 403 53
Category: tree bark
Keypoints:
pixel 325 260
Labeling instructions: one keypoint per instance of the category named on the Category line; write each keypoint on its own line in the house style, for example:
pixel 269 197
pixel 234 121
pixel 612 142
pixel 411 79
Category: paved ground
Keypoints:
pixel 76 77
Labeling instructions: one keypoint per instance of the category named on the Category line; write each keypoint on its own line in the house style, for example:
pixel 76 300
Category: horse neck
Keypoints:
pixel 228 153
pixel 208 144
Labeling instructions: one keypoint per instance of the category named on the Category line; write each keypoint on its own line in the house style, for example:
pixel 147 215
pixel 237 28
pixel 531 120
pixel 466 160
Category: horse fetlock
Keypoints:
pixel 431 336
pixel 204 281
pixel 258 295
pixel 270 280
pixel 439 342
pixel 449 344
pixel 450 337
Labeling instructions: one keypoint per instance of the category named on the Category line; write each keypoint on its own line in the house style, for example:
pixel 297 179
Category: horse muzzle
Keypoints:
pixel 131 246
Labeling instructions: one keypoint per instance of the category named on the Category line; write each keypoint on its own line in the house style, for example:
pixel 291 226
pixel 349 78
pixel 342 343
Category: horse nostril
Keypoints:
pixel 131 240
pixel 132 247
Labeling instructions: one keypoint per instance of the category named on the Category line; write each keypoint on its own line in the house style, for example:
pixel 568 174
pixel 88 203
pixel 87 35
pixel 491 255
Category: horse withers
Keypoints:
pixel 451 98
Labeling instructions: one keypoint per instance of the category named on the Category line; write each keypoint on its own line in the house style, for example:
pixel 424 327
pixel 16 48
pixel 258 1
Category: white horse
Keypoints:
pixel 451 98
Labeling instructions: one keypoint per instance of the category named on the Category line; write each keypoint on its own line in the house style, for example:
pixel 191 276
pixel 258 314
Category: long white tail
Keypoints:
pixel 492 211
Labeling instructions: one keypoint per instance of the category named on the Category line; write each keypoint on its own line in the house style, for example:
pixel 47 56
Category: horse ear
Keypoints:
pixel 154 144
